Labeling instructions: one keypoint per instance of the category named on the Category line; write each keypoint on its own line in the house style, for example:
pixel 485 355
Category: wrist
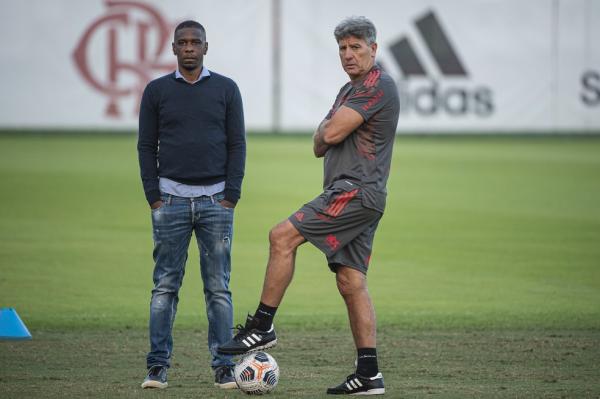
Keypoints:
pixel 152 196
pixel 232 196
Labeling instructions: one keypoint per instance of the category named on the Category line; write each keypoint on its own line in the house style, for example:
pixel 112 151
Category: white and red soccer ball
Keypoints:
pixel 256 373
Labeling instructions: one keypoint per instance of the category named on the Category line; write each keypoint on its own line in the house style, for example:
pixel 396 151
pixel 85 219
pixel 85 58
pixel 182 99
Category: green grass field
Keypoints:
pixel 485 274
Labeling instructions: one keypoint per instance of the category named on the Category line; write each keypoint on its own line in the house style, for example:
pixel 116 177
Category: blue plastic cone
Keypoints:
pixel 11 325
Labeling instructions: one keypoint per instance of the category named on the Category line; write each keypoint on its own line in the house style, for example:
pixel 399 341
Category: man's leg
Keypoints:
pixel 213 225
pixel 171 234
pixel 214 234
pixel 367 380
pixel 352 285
pixel 284 240
pixel 258 333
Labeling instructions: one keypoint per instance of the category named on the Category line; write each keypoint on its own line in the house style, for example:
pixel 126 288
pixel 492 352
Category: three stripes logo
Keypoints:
pixel 353 384
pixel 251 340
pixel 431 89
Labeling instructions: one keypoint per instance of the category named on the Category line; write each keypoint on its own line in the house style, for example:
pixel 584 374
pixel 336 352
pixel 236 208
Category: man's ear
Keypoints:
pixel 173 47
pixel 205 48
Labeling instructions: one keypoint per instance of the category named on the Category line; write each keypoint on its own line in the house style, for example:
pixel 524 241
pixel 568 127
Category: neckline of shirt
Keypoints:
pixel 203 74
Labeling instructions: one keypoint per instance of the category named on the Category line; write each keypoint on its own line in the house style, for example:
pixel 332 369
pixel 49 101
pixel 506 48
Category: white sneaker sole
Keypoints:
pixel 154 384
pixel 257 349
pixel 376 391
pixel 228 385
pixel 260 348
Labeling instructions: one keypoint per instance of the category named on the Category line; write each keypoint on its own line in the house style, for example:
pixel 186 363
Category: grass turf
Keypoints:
pixel 522 364
pixel 490 236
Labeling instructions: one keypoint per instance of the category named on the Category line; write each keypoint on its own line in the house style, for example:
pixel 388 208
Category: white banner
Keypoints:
pixel 83 64
pixel 460 66
pixel 577 104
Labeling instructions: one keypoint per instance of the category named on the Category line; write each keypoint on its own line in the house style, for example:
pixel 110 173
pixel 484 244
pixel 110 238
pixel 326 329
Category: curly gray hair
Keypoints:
pixel 360 27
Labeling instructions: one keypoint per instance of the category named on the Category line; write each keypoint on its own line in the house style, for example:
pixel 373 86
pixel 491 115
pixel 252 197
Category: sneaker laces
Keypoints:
pixel 241 331
pixel 251 323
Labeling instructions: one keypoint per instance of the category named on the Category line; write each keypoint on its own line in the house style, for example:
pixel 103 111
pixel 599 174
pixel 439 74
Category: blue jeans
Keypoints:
pixel 173 224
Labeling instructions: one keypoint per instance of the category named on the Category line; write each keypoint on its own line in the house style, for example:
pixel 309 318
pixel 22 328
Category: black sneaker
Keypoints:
pixel 156 378
pixel 249 339
pixel 224 377
pixel 358 385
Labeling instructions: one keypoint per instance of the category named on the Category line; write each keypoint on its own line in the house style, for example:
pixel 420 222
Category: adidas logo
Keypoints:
pixel 429 88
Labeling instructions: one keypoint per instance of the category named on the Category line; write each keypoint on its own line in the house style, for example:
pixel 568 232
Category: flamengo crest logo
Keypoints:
pixel 124 75
pixel 421 90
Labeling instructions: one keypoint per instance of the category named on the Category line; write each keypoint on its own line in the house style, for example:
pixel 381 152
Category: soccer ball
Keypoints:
pixel 257 373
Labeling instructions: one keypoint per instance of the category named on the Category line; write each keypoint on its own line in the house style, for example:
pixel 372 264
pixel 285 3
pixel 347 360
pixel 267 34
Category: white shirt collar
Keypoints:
pixel 203 74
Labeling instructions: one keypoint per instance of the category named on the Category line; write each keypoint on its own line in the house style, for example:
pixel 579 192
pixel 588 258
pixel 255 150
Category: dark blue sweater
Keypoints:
pixel 193 134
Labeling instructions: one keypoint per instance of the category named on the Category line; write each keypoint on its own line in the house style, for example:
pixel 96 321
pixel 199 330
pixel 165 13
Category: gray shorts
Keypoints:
pixel 339 225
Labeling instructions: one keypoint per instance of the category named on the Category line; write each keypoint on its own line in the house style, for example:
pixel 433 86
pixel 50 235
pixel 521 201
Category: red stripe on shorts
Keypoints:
pixel 339 203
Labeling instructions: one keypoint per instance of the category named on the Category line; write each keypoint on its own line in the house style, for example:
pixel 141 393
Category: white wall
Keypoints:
pixel 530 66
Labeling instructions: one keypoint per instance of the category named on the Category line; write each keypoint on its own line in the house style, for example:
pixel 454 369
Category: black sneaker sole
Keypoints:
pixel 268 345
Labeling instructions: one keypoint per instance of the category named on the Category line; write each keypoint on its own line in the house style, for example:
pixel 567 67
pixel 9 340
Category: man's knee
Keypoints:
pixel 350 281
pixel 162 299
pixel 276 235
pixel 284 237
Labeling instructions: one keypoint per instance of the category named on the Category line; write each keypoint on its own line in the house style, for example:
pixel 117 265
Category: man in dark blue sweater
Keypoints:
pixel 192 152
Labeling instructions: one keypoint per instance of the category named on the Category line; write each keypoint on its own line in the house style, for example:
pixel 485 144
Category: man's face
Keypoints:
pixel 189 46
pixel 357 56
